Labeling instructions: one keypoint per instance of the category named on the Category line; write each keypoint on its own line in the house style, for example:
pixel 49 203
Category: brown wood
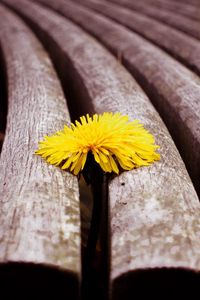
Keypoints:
pixel 154 211
pixel 39 216
pixel 186 9
pixel 181 46
pixel 189 26
pixel 193 2
pixel 173 89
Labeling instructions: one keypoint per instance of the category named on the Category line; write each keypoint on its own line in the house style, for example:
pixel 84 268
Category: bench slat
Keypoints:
pixel 39 215
pixel 193 2
pixel 186 9
pixel 189 26
pixel 180 45
pixel 154 211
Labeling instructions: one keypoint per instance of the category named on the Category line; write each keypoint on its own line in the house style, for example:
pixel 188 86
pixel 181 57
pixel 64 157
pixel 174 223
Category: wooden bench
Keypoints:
pixel 175 20
pixel 39 215
pixel 153 211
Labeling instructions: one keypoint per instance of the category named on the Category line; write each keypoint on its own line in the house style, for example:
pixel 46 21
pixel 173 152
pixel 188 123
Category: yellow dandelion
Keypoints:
pixel 113 140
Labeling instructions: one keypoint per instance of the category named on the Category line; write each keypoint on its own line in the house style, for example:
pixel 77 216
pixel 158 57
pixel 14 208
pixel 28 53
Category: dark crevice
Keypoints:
pixel 95 247
pixel 94 255
pixel 3 96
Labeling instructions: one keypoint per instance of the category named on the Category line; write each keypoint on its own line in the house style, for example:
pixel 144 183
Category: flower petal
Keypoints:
pixel 113 139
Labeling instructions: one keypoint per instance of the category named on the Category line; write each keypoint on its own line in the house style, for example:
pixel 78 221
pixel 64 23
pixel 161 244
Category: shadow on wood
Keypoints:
pixel 157 284
pixel 24 280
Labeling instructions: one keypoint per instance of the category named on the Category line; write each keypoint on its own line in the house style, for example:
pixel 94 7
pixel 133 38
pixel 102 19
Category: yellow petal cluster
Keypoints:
pixel 114 141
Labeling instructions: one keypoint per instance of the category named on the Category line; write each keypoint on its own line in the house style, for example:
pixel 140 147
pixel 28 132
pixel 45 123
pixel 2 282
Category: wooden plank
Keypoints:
pixel 186 9
pixel 154 211
pixel 193 2
pixel 189 26
pixel 173 89
pixel 39 216
pixel 181 46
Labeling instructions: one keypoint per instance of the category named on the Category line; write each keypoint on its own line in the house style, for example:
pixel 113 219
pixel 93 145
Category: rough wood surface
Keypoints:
pixel 39 211
pixel 193 2
pixel 175 20
pixel 180 45
pixel 154 211
pixel 186 9
pixel 173 89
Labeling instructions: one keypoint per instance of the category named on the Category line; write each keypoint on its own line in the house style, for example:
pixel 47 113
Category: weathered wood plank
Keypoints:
pixel 173 89
pixel 193 2
pixel 189 26
pixel 154 211
pixel 181 46
pixel 39 211
pixel 186 9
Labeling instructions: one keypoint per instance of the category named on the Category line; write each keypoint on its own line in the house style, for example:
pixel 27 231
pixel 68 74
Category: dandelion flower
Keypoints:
pixel 115 142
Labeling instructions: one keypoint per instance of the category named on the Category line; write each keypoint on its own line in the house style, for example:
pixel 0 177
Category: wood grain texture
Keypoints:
pixel 154 211
pixel 181 46
pixel 173 89
pixel 189 26
pixel 186 9
pixel 193 2
pixel 39 212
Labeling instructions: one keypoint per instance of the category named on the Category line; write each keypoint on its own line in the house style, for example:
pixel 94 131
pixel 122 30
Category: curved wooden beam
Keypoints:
pixel 189 9
pixel 189 26
pixel 39 211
